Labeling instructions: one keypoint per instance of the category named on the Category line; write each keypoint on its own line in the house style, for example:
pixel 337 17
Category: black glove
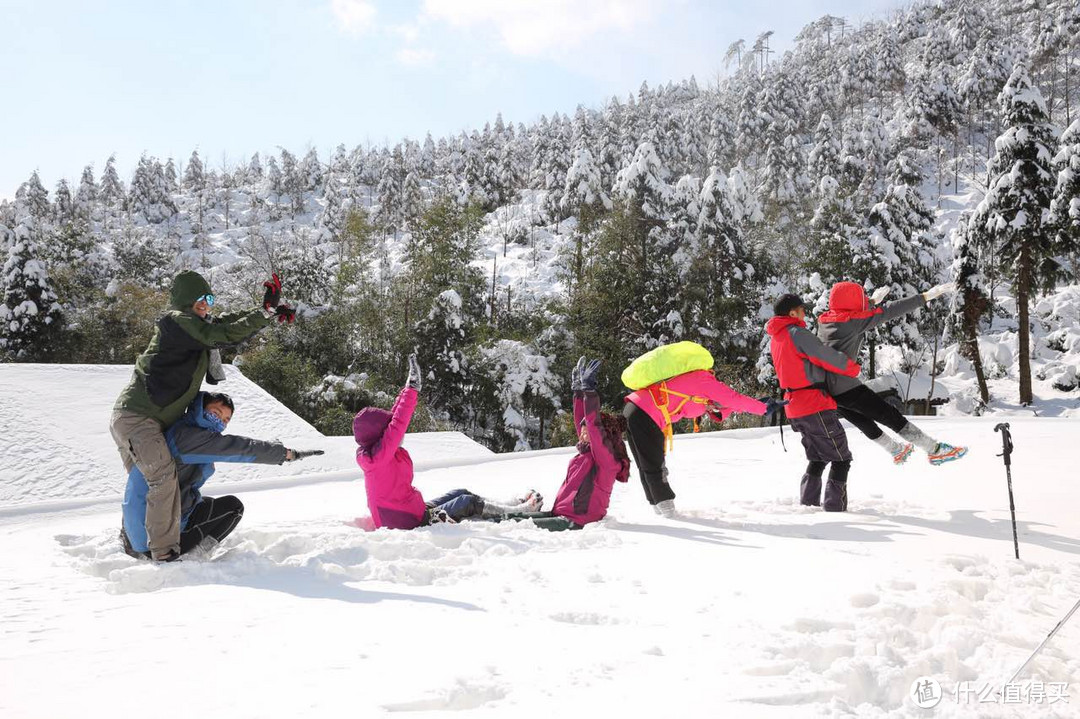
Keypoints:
pixel 575 375
pixel 273 293
pixel 414 380
pixel 285 314
pixel 302 453
pixel 590 375
pixel 772 406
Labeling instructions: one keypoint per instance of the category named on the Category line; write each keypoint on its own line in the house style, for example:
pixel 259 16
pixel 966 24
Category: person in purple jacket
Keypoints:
pixel 601 459
pixel 388 471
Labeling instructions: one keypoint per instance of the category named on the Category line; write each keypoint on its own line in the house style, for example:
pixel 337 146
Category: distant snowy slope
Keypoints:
pixel 55 443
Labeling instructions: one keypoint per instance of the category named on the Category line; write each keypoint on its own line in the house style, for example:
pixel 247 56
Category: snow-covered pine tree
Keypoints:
pixel 33 196
pixel 332 217
pixel 147 195
pixel 583 191
pixel 412 198
pixel 824 159
pixel 1016 208
pixel 255 168
pixel 970 300
pixel 86 196
pixel 1065 207
pixel 172 185
pixel 30 316
pixel 63 204
pixel 112 193
pixel 194 174
pixel 311 171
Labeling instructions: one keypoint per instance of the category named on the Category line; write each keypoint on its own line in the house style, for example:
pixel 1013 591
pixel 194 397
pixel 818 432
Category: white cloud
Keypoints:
pixel 536 28
pixel 414 56
pixel 353 16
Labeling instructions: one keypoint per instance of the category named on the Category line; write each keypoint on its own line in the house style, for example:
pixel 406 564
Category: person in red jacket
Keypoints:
pixel 802 363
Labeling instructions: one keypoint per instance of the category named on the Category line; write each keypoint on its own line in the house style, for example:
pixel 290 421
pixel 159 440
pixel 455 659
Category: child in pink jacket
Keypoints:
pixel 388 470
pixel 601 459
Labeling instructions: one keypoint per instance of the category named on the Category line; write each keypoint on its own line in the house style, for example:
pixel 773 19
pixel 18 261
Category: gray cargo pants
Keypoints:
pixel 141 443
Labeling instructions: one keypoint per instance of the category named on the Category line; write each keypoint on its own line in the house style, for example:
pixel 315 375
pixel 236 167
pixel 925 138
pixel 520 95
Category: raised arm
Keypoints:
pixel 400 416
pixel 589 404
pixel 825 357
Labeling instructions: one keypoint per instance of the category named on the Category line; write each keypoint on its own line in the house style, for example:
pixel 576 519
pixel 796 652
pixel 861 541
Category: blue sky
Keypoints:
pixel 87 78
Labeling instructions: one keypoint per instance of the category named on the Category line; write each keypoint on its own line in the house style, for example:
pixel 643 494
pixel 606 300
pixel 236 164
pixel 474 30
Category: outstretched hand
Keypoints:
pixel 880 294
pixel 772 406
pixel 938 290
pixel 414 380
pixel 294 454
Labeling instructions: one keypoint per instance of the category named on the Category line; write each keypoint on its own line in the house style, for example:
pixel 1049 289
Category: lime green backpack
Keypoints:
pixel 665 362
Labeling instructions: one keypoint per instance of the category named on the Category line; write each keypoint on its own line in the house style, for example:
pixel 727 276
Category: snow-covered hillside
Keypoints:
pixel 55 443
pixel 745 605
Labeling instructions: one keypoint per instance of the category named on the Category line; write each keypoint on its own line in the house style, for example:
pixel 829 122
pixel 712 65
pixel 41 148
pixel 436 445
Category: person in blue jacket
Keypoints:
pixel 196 441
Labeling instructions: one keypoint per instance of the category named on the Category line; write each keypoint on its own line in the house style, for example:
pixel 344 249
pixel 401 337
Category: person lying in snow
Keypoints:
pixel 601 459
pixel 851 315
pixel 196 442
pixel 388 471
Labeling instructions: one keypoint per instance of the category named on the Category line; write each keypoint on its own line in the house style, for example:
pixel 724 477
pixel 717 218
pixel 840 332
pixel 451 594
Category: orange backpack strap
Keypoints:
pixel 661 397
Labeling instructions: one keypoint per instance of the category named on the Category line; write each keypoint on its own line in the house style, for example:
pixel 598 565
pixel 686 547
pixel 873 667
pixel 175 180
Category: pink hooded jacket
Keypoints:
pixel 388 469
pixel 702 388
pixel 586 491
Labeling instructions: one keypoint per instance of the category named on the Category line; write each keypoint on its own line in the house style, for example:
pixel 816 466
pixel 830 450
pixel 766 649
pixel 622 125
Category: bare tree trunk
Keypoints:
pixel 1023 289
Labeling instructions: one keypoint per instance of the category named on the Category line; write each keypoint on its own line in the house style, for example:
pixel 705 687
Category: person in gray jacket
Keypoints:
pixel 197 441
pixel 851 315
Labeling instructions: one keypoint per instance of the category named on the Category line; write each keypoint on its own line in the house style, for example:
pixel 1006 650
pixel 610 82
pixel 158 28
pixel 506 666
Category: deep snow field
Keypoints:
pixel 746 605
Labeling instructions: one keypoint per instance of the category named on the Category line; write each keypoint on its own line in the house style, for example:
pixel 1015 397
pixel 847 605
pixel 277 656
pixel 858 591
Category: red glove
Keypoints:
pixel 273 293
pixel 285 314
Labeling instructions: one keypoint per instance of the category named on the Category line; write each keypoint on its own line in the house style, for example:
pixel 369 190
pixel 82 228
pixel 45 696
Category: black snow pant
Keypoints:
pixel 545 520
pixel 647 446
pixel 825 442
pixel 864 409
pixel 213 517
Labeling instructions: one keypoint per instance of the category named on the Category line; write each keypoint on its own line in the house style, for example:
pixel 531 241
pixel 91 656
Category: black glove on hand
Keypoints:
pixel 772 406
pixel 285 314
pixel 575 375
pixel 302 453
pixel 414 380
pixel 273 293
pixel 590 376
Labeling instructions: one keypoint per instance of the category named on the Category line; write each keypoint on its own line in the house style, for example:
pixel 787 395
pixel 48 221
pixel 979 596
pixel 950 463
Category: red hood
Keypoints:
pixel 778 324
pixel 848 301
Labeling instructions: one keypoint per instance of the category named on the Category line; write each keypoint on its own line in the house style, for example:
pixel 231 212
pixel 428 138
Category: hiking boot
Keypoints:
pixel 128 549
pixel 902 456
pixel 665 508
pixel 945 453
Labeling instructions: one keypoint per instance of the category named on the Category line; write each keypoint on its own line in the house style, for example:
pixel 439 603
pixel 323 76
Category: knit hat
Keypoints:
pixel 187 287
pixel 369 425
pixel 786 304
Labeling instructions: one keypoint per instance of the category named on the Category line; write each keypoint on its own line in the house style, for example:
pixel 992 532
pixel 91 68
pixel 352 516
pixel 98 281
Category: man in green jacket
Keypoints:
pixel 167 376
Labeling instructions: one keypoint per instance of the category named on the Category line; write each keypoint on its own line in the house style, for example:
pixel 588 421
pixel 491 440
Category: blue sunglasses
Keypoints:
pixel 208 299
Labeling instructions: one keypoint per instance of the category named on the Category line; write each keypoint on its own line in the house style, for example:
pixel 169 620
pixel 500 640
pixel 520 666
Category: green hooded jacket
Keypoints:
pixel 171 370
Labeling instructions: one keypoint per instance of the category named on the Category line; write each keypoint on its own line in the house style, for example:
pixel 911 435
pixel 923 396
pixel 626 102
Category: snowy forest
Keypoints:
pixel 939 143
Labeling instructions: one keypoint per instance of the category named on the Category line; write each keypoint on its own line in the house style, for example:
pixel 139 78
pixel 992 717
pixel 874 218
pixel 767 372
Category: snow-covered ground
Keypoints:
pixel 55 444
pixel 746 605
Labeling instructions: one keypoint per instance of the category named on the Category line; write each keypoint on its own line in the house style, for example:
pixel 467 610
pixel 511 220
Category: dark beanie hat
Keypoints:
pixel 786 304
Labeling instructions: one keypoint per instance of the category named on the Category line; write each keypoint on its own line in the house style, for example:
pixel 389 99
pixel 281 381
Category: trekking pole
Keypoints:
pixel 1006 454
pixel 1044 642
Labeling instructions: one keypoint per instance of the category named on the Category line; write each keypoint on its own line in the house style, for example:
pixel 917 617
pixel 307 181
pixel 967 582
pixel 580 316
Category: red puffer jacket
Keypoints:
pixel 802 362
